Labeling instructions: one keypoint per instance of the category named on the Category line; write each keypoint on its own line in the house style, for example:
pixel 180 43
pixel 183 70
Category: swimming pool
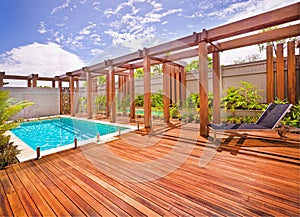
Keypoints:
pixel 57 132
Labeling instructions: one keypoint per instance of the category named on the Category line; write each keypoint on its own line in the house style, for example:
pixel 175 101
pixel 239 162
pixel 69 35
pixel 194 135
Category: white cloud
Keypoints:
pixel 42 28
pixel 96 51
pixel 88 29
pixel 44 59
pixel 58 8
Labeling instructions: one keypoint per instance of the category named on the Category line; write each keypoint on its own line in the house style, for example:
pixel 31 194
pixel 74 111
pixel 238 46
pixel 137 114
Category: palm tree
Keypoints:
pixel 8 109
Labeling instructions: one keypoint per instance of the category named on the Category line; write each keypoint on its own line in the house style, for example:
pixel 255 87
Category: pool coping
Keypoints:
pixel 27 153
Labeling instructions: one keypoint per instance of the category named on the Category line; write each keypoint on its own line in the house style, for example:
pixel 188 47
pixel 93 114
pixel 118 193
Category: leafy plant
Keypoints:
pixel 139 100
pixel 100 102
pixel 157 100
pixel 8 109
pixel 244 97
pixel 292 118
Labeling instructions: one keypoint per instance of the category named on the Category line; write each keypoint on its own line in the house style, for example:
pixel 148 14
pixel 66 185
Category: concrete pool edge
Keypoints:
pixel 27 153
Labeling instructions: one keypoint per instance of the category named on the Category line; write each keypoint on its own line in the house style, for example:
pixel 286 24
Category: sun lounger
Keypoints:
pixel 267 121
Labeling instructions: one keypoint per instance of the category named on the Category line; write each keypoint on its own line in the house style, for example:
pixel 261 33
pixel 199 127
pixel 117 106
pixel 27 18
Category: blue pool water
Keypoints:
pixel 57 132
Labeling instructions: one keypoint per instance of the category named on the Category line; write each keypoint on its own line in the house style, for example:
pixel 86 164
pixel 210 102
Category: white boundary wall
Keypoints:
pixel 46 100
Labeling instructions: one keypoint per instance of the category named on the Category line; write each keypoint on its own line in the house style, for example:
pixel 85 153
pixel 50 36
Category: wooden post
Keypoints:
pixel 29 82
pixel 119 88
pixel 270 74
pixel 172 80
pixel 183 85
pixel 291 72
pixel 147 92
pixel 113 107
pixel 131 94
pixel 166 92
pixel 203 88
pixel 60 96
pixel 89 80
pixel 107 96
pixel 177 83
pixel 280 72
pixel 1 79
pixel 38 152
pixel 71 85
pixel 216 87
pixel 75 143
pixel 53 83
pixel 34 80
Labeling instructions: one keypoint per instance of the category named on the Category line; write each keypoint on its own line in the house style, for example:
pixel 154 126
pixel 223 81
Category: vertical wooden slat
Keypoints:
pixel 29 82
pixel 119 88
pixel 177 84
pixel 216 88
pixel 71 85
pixel 270 74
pixel 1 78
pixel 147 92
pixel 166 92
pixel 280 72
pixel 183 84
pixel 89 80
pixel 107 96
pixel 34 80
pixel 60 96
pixel 291 72
pixel 132 94
pixel 172 80
pixel 203 88
pixel 113 117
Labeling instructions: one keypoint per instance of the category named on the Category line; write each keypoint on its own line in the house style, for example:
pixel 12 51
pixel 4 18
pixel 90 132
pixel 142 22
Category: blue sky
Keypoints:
pixel 52 37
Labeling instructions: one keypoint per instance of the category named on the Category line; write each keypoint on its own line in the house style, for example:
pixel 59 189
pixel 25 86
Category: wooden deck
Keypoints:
pixel 252 176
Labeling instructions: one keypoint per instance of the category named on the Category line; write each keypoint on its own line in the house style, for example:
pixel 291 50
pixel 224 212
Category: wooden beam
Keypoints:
pixel 53 83
pixel 268 36
pixel 270 74
pixel 89 81
pixel 280 72
pixel 291 61
pixel 132 95
pixel 113 108
pixel 166 92
pixel 203 88
pixel 72 103
pixel 272 18
pixel 216 88
pixel 147 92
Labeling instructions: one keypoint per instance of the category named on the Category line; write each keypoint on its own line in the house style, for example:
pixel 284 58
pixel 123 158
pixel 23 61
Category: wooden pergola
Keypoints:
pixel 198 44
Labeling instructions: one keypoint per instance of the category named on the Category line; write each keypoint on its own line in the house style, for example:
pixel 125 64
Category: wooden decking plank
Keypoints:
pixel 140 154
pixel 116 191
pixel 38 200
pixel 4 203
pixel 151 194
pixel 81 188
pixel 70 190
pixel 25 197
pixel 205 209
pixel 57 192
pixel 206 194
pixel 55 205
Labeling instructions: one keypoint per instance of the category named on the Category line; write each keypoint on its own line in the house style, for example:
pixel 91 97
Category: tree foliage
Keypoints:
pixel 194 64
pixel 8 109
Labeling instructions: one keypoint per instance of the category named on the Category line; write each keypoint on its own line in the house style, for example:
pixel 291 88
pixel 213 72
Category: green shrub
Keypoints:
pixel 292 118
pixel 8 109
